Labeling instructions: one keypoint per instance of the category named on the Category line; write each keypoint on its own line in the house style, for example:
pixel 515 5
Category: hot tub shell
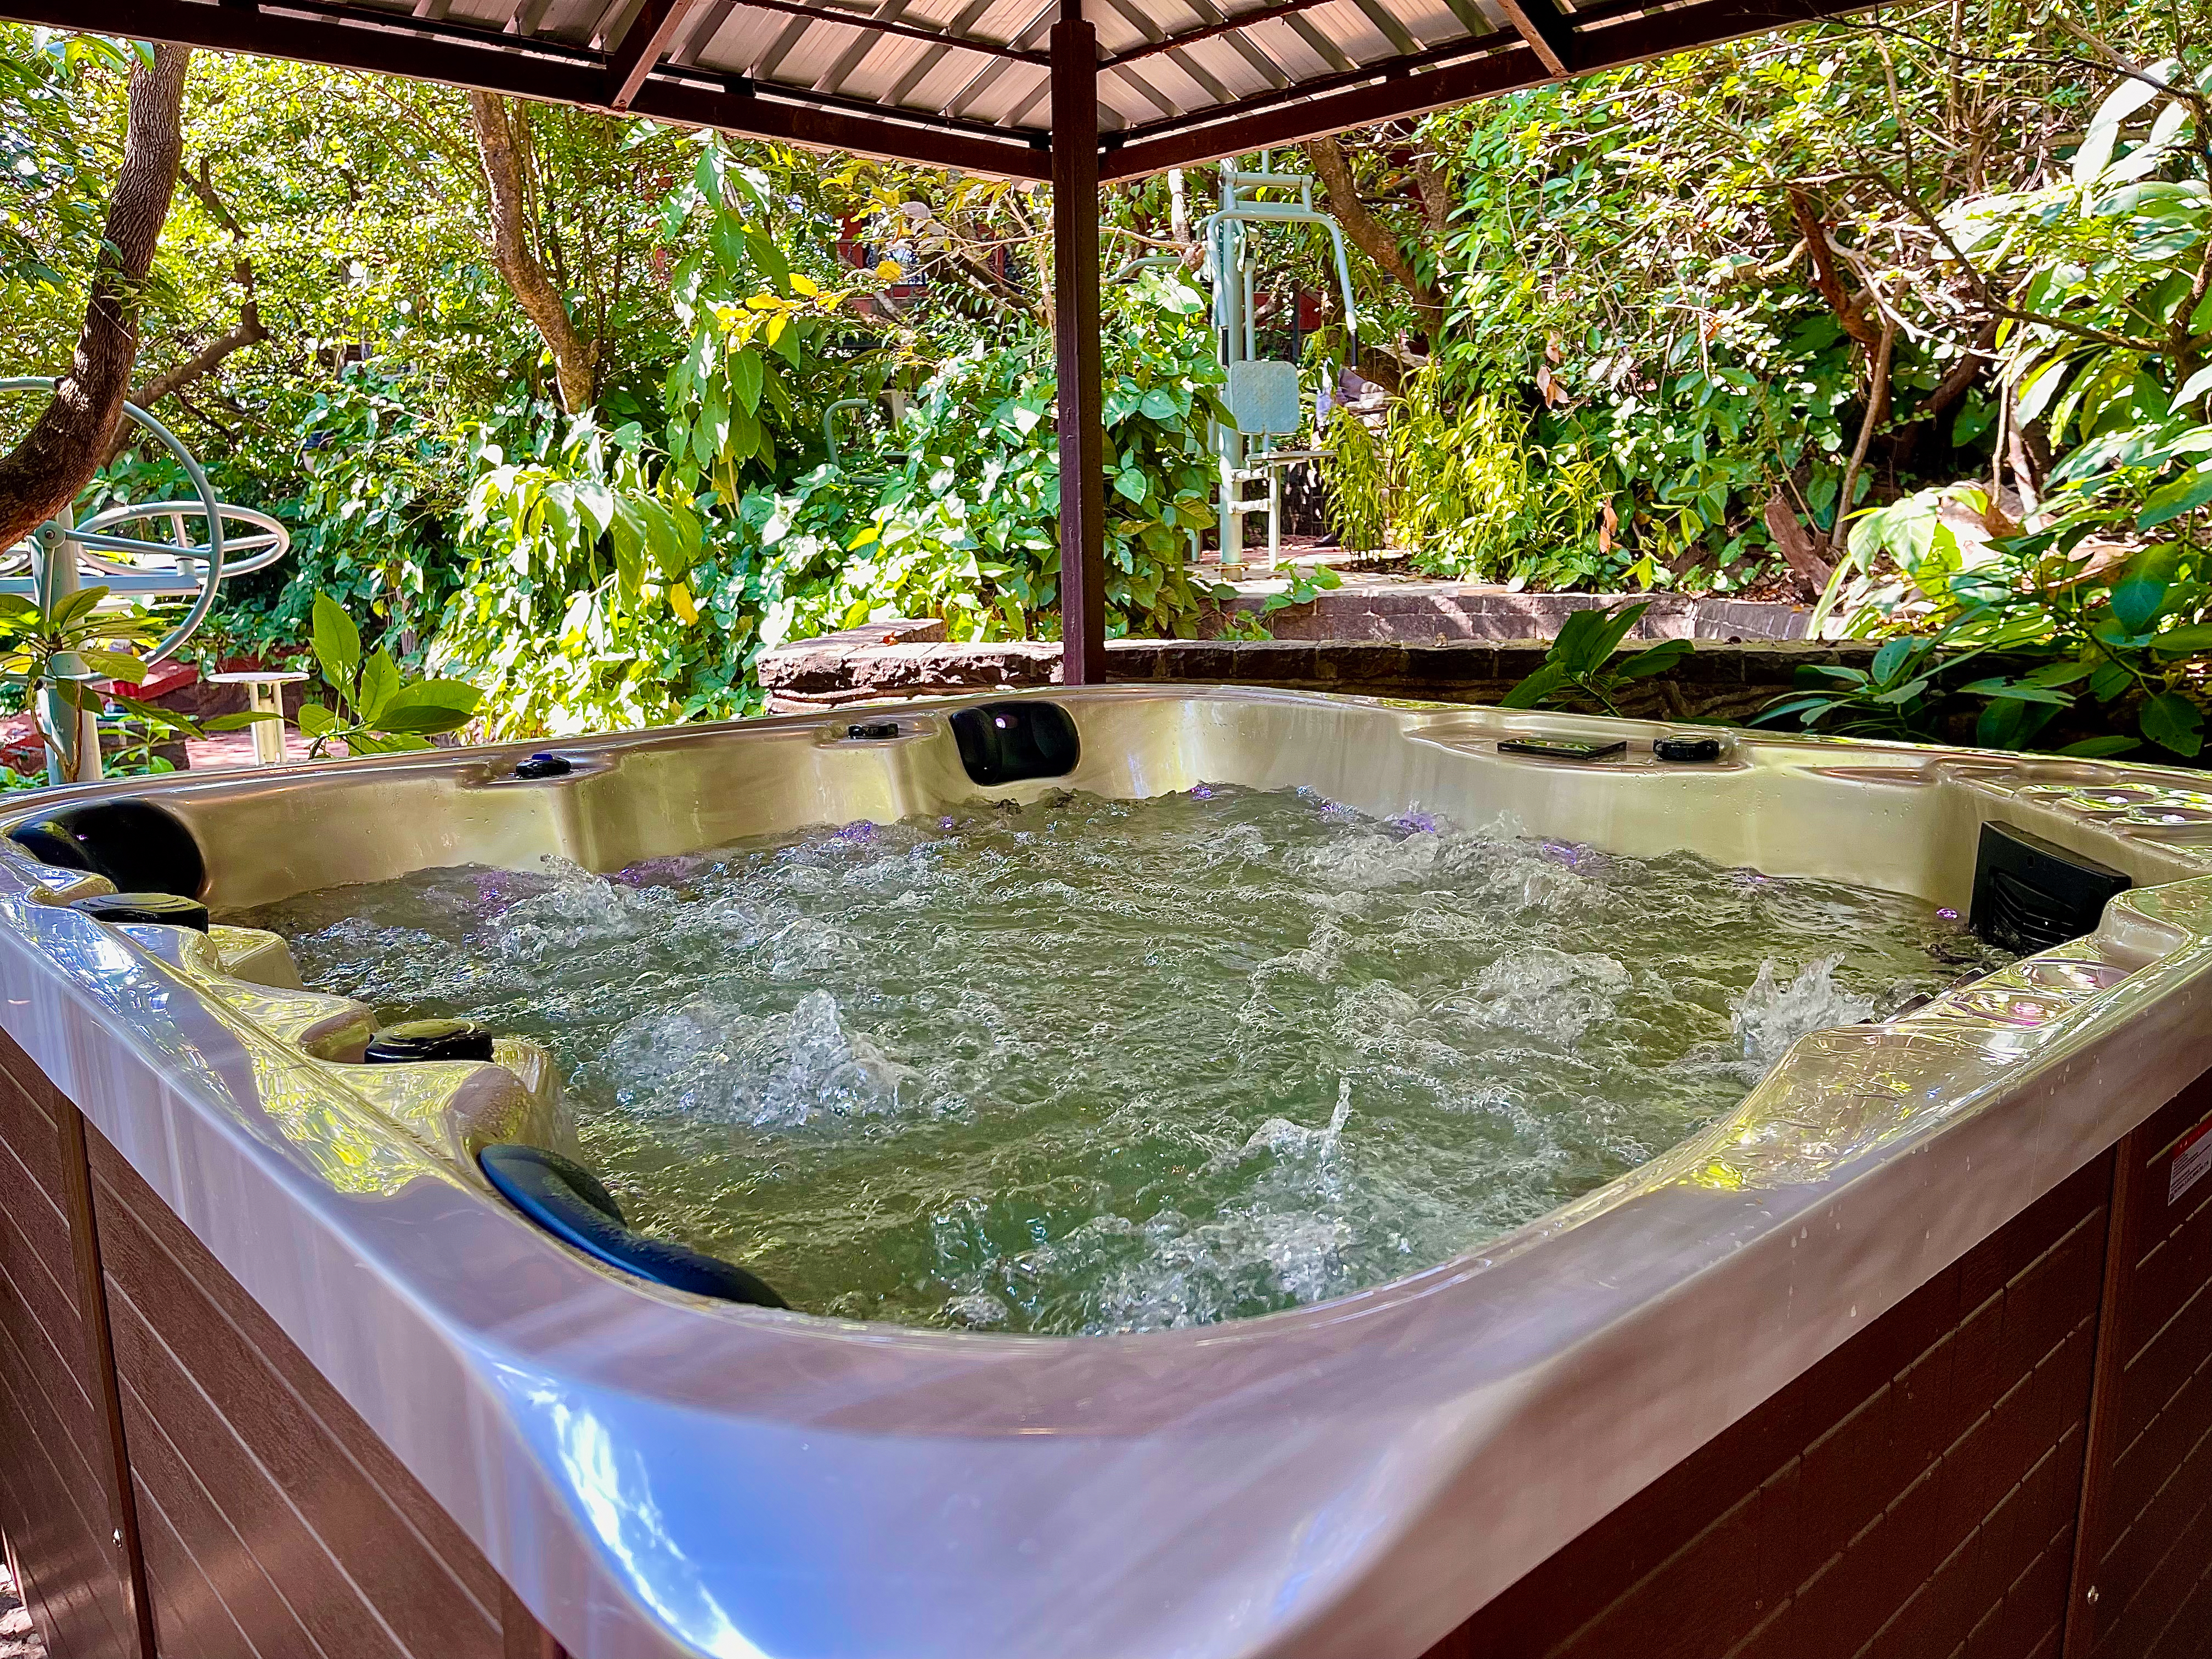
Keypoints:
pixel 1906 1356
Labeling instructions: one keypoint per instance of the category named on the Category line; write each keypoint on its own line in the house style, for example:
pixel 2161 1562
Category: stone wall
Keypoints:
pixel 893 661
pixel 1426 613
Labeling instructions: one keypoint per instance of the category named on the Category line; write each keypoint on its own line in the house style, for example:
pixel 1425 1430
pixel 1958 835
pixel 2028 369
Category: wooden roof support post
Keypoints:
pixel 1081 370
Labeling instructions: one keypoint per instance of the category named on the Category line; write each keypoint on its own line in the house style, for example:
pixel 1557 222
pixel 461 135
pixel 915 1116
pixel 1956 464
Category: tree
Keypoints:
pixel 503 142
pixel 43 473
pixel 1379 241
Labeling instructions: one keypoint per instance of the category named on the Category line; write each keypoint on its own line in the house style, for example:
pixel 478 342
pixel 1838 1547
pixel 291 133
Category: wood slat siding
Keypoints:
pixel 271 1522
pixel 1911 1497
pixel 284 1499
pixel 58 1501
pixel 2141 1584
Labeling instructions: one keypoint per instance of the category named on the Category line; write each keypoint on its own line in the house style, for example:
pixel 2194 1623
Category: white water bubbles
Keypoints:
pixel 713 1061
pixel 1091 1066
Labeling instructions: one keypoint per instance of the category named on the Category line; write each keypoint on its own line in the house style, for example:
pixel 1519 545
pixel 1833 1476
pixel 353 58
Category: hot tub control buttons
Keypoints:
pixel 873 731
pixel 1686 751
pixel 545 764
pixel 429 1039
pixel 166 908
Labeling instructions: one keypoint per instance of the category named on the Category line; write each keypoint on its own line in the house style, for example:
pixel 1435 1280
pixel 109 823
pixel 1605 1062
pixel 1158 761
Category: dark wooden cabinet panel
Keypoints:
pixel 265 1519
pixel 56 1505
pixel 1912 1494
pixel 2016 1463
pixel 229 1425
pixel 2140 1585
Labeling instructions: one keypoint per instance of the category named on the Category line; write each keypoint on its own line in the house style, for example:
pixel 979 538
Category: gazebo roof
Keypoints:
pixel 962 83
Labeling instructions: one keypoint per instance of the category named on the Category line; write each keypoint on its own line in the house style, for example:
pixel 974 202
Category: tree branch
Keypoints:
pixel 43 473
pixel 1368 233
pixel 1877 410
pixel 1826 278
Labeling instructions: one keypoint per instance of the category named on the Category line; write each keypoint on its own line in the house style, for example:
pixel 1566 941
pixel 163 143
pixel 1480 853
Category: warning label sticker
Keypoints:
pixel 2193 1162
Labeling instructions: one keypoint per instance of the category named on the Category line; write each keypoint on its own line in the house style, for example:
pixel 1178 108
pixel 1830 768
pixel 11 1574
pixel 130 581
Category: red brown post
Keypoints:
pixel 1075 347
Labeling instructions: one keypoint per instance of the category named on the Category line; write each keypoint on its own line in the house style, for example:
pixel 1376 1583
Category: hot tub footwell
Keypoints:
pixel 175 1476
pixel 2014 1462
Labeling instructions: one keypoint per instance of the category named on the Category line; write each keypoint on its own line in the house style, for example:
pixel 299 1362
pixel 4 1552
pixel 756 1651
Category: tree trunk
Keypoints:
pixel 42 474
pixel 574 358
pixel 1877 410
pixel 249 330
pixel 1368 233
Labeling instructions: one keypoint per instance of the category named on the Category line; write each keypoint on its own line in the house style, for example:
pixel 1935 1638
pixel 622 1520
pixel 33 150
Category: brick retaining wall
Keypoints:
pixel 899 660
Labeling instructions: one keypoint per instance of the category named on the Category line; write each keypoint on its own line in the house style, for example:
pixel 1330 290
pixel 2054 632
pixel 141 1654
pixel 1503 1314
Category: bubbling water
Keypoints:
pixel 1090 1065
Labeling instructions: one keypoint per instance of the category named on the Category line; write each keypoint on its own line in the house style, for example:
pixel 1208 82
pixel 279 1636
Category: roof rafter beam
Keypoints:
pixel 643 45
pixel 980 82
pixel 1549 34
pixel 929 60
pixel 856 54
pixel 1262 63
pixel 560 75
pixel 1227 25
pixel 883 24
pixel 1390 93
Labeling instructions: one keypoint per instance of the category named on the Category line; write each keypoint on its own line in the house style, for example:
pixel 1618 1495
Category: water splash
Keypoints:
pixel 1771 1015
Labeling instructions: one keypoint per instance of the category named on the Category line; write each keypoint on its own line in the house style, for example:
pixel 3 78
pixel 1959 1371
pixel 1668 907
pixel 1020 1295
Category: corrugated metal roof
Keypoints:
pixel 962 82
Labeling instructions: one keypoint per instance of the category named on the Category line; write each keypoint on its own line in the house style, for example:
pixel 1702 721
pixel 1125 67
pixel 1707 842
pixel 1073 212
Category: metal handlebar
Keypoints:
pixel 39 585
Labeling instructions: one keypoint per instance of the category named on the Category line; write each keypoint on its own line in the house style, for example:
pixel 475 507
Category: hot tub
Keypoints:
pixel 1907 1355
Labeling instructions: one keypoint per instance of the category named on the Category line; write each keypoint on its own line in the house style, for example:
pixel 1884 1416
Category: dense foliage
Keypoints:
pixel 1743 319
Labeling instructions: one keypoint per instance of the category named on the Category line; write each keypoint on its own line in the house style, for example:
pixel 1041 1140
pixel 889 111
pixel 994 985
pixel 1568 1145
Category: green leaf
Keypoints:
pixel 2171 721
pixel 240 721
pixel 437 693
pixel 1129 483
pixel 1532 691
pixel 314 719
pixel 1589 636
pixel 1658 659
pixel 768 260
pixel 2091 748
pixel 748 374
pixel 77 606
pixel 2183 642
pixel 2196 386
pixel 1159 404
pixel 424 718
pixel 2108 680
pixel 380 679
pixel 2170 501
pixel 1890 659
pixel 1804 705
pixel 2123 101
pixel 2017 691
pixel 628 540
pixel 2140 593
pixel 336 643
pixel 114 664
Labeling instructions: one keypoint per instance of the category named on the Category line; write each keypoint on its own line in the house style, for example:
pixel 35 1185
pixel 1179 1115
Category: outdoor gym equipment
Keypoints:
pixel 49 564
pixel 1263 394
